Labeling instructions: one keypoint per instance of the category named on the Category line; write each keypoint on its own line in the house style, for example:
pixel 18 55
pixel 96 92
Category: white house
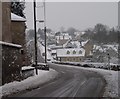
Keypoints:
pixel 71 54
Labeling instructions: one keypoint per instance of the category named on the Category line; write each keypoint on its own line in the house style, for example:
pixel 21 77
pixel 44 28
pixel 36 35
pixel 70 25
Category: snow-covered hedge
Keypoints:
pixel 115 67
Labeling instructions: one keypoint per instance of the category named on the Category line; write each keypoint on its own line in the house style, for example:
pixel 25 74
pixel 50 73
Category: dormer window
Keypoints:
pixel 74 52
pixel 80 52
pixel 68 52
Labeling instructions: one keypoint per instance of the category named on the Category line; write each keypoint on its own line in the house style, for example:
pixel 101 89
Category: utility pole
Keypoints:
pixel 34 5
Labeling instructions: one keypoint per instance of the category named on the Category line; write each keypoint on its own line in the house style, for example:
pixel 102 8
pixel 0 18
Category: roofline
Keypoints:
pixel 18 21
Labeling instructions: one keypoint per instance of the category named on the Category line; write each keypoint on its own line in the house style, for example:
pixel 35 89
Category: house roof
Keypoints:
pixel 84 42
pixel 75 43
pixel 105 47
pixel 15 17
pixel 70 52
pixel 61 42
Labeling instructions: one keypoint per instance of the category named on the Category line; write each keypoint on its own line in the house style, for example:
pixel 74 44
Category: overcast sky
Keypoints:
pixel 80 15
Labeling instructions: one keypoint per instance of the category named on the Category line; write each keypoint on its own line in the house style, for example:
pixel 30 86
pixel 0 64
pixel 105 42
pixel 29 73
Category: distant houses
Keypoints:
pixel 70 49
pixel 62 38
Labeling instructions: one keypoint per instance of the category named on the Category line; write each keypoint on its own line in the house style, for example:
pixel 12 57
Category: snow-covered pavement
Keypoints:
pixel 111 77
pixel 29 83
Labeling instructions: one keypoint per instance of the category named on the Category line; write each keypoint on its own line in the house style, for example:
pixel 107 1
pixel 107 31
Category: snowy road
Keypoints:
pixel 71 82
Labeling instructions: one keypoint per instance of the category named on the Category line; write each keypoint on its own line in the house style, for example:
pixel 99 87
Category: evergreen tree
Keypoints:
pixel 17 7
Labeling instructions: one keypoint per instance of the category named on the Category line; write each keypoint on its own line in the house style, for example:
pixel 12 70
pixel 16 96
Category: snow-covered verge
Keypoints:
pixel 29 83
pixel 111 77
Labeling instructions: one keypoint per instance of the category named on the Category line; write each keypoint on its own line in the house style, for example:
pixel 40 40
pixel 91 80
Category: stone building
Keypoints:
pixel 18 28
pixel 88 46
pixel 11 44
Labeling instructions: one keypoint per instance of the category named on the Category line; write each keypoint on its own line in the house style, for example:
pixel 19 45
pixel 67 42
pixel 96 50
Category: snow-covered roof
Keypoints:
pixel 84 42
pixel 55 47
pixel 71 52
pixel 114 47
pixel 53 51
pixel 76 43
pixel 15 17
pixel 10 44
pixel 105 47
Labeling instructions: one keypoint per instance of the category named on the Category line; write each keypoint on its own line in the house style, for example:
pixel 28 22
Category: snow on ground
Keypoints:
pixel 111 77
pixel 27 67
pixel 29 83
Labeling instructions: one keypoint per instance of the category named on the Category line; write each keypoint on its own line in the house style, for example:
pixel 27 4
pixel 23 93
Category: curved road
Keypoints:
pixel 71 82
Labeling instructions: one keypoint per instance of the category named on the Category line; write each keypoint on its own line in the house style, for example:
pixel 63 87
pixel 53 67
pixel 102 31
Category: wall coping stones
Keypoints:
pixel 10 44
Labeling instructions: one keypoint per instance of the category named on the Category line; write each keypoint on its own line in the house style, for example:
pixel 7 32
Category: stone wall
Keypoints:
pixel 18 37
pixel 0 21
pixel 6 22
pixel 11 63
pixel 18 32
pixel 27 73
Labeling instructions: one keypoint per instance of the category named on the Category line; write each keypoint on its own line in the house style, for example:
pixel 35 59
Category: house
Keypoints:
pixel 18 28
pixel 53 50
pixel 11 43
pixel 78 35
pixel 62 38
pixel 88 46
pixel 70 54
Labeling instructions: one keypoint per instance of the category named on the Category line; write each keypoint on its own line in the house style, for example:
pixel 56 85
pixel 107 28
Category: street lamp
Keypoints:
pixel 45 32
pixel 44 21
pixel 41 21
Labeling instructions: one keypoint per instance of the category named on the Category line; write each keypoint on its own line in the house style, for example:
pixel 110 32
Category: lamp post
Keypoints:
pixel 41 21
pixel 34 6
pixel 45 32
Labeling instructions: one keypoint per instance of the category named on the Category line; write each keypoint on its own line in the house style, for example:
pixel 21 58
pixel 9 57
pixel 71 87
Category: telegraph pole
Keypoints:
pixel 34 5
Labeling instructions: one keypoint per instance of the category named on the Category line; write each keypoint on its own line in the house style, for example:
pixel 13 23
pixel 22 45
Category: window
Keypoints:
pixel 22 51
pixel 68 52
pixel 74 52
pixel 67 59
pixel 80 59
pixel 80 52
